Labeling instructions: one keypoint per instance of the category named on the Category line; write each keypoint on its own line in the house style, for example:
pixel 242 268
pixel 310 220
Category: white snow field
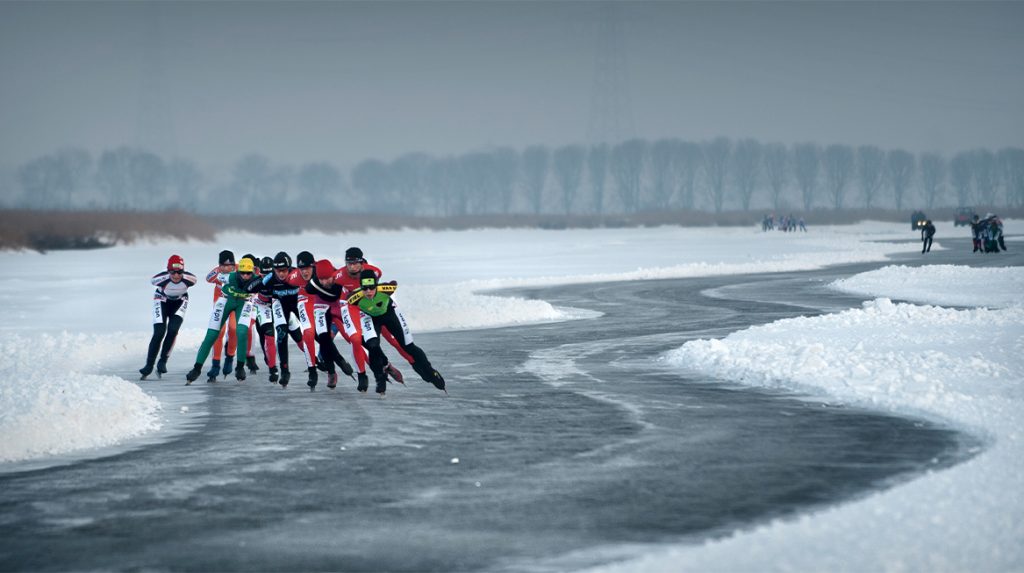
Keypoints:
pixel 86 313
pixel 964 367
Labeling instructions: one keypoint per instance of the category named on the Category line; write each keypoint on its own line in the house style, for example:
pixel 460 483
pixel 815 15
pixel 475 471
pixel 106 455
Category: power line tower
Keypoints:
pixel 611 117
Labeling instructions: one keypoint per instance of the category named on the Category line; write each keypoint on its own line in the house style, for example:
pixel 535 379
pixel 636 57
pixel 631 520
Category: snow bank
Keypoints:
pixel 49 405
pixel 989 286
pixel 962 366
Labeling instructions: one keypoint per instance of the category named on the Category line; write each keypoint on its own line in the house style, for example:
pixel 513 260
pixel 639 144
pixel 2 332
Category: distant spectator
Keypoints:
pixel 927 232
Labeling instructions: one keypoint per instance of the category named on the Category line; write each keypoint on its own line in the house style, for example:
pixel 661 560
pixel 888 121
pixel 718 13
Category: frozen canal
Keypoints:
pixel 570 439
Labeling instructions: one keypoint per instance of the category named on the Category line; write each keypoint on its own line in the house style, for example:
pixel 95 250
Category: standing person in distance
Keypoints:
pixel 377 312
pixel 170 301
pixel 234 300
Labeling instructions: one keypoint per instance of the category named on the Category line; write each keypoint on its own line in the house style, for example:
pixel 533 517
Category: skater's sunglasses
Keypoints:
pixel 177 272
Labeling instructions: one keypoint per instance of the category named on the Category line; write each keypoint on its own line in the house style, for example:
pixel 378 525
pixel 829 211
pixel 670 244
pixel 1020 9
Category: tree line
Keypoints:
pixel 629 177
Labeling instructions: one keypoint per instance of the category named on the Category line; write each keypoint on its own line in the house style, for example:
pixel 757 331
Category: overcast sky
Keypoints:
pixel 344 81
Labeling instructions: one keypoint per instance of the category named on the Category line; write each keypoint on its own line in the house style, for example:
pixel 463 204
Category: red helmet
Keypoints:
pixel 325 269
pixel 175 263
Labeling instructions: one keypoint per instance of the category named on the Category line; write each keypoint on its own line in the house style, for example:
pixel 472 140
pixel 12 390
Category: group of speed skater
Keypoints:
pixel 311 302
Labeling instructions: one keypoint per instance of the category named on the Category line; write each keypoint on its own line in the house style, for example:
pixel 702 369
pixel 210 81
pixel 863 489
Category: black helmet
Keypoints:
pixel 282 261
pixel 304 259
pixel 354 255
pixel 367 280
pixel 266 265
pixel 226 258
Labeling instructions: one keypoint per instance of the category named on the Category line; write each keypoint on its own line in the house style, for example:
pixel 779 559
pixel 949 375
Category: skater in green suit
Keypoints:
pixel 234 301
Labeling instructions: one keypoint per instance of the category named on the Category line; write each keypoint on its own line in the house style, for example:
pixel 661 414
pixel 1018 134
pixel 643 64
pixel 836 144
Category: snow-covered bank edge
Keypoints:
pixel 963 367
pixel 53 403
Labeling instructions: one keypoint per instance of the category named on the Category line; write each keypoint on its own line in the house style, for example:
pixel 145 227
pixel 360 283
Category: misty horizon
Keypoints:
pixel 345 82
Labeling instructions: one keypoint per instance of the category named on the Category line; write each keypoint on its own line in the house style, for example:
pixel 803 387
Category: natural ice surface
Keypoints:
pixel 106 294
pixel 965 367
pixel 965 518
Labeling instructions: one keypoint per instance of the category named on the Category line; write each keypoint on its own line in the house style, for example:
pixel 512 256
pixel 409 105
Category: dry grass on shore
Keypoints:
pixel 54 230
pixel 49 230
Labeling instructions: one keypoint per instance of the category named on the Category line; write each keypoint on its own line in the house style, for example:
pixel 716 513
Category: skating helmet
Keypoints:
pixel 227 258
pixel 354 255
pixel 368 280
pixel 175 263
pixel 245 265
pixel 266 265
pixel 304 259
pixel 282 261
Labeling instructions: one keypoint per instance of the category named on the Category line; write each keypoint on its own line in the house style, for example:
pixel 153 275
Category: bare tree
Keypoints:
pixel 838 160
pixel 597 171
pixel 961 173
pixel 39 180
pixel 440 181
pixel 370 180
pixel 75 165
pixel 319 183
pixel 776 168
pixel 408 176
pixel 1011 160
pixel 899 166
pixel 184 181
pixel 569 172
pixel 506 171
pixel 716 165
pixel 664 171
pixel 535 173
pixel 112 176
pixel 627 167
pixel 870 172
pixel 689 158
pixel 806 165
pixel 933 173
pixel 747 167
pixel 148 178
pixel 250 189
pixel 984 171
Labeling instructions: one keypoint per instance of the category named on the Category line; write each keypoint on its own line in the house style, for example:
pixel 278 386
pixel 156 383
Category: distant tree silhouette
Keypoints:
pixel 627 167
pixel 535 174
pixel 319 186
pixel 251 189
pixel 39 180
pixel 506 173
pixel 113 176
pixel 184 180
pixel 933 173
pixel 961 172
pixel 747 167
pixel 568 162
pixel 1011 161
pixel 776 168
pixel 899 166
pixel 806 166
pixel 870 172
pixel 716 155
pixel 148 179
pixel 664 172
pixel 984 171
pixel 370 181
pixel 597 171
pixel 839 165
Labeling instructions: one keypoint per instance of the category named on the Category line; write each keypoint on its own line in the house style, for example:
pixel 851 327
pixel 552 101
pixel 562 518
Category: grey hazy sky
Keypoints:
pixel 343 81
